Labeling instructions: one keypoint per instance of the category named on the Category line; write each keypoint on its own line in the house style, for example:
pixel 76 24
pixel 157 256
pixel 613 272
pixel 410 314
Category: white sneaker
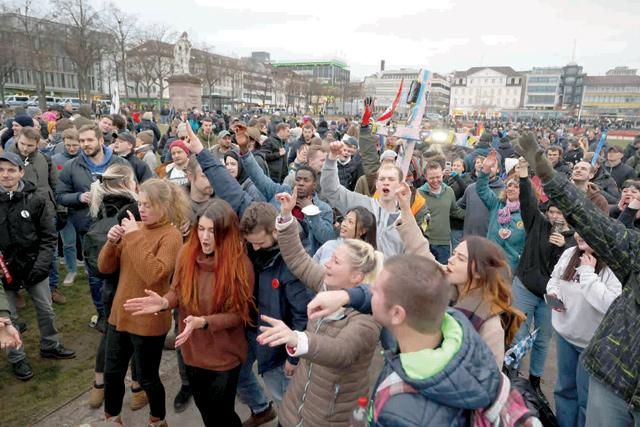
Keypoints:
pixel 94 321
pixel 69 279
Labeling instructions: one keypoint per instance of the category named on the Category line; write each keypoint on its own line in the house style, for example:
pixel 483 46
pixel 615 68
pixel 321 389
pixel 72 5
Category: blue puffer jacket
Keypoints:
pixel 470 381
pixel 279 294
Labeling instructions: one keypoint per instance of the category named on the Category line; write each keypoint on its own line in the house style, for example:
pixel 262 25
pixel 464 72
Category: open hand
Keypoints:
pixel 150 304
pixel 276 334
pixel 490 161
pixel 191 323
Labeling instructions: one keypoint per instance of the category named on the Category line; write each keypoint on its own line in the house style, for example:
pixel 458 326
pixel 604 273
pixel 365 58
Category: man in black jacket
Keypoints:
pixel 349 163
pixel 123 144
pixel 275 154
pixel 27 242
pixel 618 170
pixel 554 154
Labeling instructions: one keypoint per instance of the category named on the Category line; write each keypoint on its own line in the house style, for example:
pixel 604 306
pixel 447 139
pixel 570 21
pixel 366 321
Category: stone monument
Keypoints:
pixel 185 89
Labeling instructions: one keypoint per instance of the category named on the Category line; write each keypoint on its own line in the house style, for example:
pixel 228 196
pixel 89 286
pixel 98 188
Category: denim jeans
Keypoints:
pixel 539 315
pixel 441 252
pixel 147 353
pixel 572 386
pixel 249 389
pixel 70 253
pixel 605 408
pixel 54 277
pixel 277 383
pixel 456 238
pixel 41 297
pixel 214 393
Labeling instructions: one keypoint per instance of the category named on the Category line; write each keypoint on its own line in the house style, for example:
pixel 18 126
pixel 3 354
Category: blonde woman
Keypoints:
pixel 335 351
pixel 145 254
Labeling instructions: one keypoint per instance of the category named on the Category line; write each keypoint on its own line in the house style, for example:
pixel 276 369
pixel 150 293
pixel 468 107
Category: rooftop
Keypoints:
pixel 334 62
pixel 508 71
pixel 611 80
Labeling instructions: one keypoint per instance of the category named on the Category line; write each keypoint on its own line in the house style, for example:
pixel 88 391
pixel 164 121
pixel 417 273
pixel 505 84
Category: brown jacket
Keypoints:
pixel 595 195
pixel 491 331
pixel 222 346
pixel 333 374
pixel 146 259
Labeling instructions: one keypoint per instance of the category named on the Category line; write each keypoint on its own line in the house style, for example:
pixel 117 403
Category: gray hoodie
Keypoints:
pixel 388 241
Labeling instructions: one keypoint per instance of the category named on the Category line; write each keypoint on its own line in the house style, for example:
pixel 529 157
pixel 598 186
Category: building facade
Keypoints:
pixel 485 91
pixel 20 73
pixel 614 95
pixel 571 86
pixel 334 73
pixel 542 88
pixel 383 86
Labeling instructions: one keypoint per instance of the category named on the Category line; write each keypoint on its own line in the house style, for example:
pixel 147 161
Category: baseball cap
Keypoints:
pixel 125 136
pixel 350 140
pixel 224 133
pixel 388 154
pixel 12 158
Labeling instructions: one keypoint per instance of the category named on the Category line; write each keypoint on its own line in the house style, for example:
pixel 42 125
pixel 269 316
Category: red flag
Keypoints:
pixel 388 114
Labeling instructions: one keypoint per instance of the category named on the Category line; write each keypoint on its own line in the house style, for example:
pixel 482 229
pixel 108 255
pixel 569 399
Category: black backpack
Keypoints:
pixel 95 239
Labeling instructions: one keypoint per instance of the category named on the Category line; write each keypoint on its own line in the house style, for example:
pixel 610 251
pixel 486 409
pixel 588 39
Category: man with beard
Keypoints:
pixel 73 190
pixel 278 294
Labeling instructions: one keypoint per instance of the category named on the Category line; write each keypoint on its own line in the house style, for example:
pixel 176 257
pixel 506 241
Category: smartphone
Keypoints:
pixel 447 165
pixel 558 226
pixel 554 302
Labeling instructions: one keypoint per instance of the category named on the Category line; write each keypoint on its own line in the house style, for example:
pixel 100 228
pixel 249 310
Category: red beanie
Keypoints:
pixel 180 143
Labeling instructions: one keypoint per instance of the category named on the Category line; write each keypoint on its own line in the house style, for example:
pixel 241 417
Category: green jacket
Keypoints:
pixel 613 355
pixel 441 207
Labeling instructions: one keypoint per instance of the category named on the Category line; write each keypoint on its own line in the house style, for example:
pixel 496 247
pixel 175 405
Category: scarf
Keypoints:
pixel 504 214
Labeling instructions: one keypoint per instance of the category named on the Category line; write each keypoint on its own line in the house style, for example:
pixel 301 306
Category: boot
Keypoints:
pixel 57 297
pixel 139 399
pixel 535 384
pixel 182 399
pixel 261 417
pixel 96 396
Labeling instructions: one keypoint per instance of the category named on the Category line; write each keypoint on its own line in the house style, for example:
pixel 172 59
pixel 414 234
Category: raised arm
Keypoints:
pixel 338 196
pixel 487 196
pixel 368 151
pixel 262 182
pixel 410 233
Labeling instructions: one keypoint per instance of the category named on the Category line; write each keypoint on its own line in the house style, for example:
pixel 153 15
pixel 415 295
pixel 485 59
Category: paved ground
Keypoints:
pixel 77 411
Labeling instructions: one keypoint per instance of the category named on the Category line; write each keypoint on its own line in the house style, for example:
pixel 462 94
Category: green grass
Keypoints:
pixel 55 381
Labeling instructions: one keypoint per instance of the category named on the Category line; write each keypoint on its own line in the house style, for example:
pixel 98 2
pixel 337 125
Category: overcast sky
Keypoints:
pixel 441 35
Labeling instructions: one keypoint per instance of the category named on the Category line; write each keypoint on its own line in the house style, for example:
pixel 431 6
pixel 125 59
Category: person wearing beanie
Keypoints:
pixel 175 171
pixel 616 168
pixel 123 145
pixel 10 136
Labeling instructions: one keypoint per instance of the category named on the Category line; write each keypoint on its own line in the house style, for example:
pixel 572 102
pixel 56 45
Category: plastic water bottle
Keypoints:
pixel 359 414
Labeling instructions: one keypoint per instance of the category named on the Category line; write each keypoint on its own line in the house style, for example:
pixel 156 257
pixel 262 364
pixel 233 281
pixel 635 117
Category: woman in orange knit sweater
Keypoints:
pixel 145 254
pixel 213 288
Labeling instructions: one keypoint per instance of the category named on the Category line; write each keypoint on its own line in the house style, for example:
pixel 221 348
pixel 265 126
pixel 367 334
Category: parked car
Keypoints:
pixel 75 102
pixel 12 101
pixel 50 101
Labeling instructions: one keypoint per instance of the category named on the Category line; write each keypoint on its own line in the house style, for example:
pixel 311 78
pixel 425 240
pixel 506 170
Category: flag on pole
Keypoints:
pixel 115 100
pixel 388 113
pixel 480 130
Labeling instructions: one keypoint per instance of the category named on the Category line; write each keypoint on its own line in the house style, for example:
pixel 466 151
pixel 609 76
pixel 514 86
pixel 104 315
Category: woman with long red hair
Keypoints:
pixel 213 290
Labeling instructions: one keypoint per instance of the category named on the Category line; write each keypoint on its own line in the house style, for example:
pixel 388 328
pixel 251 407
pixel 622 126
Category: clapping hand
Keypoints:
pixel 150 304
pixel 115 233
pixel 191 323
pixel 129 224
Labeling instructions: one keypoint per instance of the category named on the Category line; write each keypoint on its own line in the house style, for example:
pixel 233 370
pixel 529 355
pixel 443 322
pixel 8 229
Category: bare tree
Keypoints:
pixel 10 61
pixel 34 34
pixel 160 52
pixel 212 68
pixel 82 40
pixel 123 30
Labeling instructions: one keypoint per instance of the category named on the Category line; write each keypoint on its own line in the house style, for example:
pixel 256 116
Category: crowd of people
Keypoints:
pixel 294 248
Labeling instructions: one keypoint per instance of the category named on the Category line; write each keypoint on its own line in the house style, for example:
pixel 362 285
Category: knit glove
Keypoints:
pixel 527 147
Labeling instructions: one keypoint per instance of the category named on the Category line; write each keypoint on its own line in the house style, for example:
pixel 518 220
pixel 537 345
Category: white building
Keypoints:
pixel 383 86
pixel 485 91
pixel 542 88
